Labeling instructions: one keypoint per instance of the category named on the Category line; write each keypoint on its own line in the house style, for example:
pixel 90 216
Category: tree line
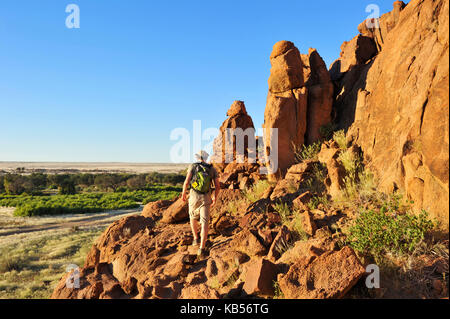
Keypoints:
pixel 68 184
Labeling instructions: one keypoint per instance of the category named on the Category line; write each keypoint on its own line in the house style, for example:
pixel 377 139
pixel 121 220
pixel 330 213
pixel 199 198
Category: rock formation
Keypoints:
pixel 224 147
pixel 286 108
pixel 401 104
pixel 151 257
pixel 320 95
pixel 238 168
pixel 378 29
pixel 299 102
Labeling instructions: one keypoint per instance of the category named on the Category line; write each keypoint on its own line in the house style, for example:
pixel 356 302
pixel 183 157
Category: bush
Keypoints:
pixel 317 200
pixel 278 293
pixel 8 264
pixel 256 191
pixel 359 182
pixel 293 220
pixel 316 180
pixel 340 138
pixel 297 227
pixel 233 207
pixel 381 231
pixel 284 211
pixel 307 152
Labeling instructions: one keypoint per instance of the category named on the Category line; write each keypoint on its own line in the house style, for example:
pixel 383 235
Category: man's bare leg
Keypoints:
pixel 204 235
pixel 194 228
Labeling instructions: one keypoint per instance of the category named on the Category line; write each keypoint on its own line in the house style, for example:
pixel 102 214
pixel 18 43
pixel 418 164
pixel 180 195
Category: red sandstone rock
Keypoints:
pixel 176 212
pixel 224 146
pixel 258 277
pixel 402 111
pixel 301 201
pixel 155 209
pixel 281 241
pixel 320 95
pixel 336 172
pixel 328 276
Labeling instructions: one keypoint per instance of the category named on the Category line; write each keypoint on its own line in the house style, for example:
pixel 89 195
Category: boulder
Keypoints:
pixel 355 52
pixel 336 172
pixel 286 107
pixel 297 173
pixel 246 242
pixel 176 212
pixel 287 68
pixel 299 103
pixel 280 243
pixel 258 277
pixel 226 196
pixel 302 201
pixel 329 276
pixel 200 291
pixel 309 226
pixel 320 95
pixel 154 210
pixel 285 191
pixel 285 112
pixel 237 108
pixel 307 248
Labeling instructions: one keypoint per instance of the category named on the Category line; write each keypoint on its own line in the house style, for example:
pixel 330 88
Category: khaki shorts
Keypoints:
pixel 199 206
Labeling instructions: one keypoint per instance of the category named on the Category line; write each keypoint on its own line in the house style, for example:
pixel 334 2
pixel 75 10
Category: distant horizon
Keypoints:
pixel 86 162
pixel 115 88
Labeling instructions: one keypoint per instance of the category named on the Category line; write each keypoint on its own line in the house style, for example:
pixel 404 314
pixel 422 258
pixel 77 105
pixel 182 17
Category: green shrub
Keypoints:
pixel 277 290
pixel 293 220
pixel 8 264
pixel 359 182
pixel 297 227
pixel 340 139
pixel 307 152
pixel 233 207
pixel 255 193
pixel 317 200
pixel 284 211
pixel 316 180
pixel 283 245
pixel 381 231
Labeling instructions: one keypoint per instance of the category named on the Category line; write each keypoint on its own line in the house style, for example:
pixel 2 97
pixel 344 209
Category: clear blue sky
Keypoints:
pixel 114 89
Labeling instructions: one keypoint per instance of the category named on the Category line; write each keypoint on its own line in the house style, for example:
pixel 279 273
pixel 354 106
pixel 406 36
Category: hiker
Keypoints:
pixel 199 177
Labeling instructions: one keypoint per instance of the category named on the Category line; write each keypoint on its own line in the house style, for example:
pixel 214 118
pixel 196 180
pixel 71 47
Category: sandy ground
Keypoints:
pixel 92 167
pixel 17 229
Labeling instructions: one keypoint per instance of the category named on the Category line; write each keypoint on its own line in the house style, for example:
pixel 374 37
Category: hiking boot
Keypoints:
pixel 201 253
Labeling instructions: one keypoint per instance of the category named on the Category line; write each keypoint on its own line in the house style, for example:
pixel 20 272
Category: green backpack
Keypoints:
pixel 201 179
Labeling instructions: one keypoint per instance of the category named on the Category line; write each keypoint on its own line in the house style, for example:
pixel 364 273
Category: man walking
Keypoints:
pixel 199 177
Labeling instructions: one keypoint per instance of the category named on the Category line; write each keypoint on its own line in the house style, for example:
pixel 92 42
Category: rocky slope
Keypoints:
pixel 149 256
pixel 389 89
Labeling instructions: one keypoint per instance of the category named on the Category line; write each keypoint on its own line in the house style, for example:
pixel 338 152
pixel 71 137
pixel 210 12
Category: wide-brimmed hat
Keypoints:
pixel 201 155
